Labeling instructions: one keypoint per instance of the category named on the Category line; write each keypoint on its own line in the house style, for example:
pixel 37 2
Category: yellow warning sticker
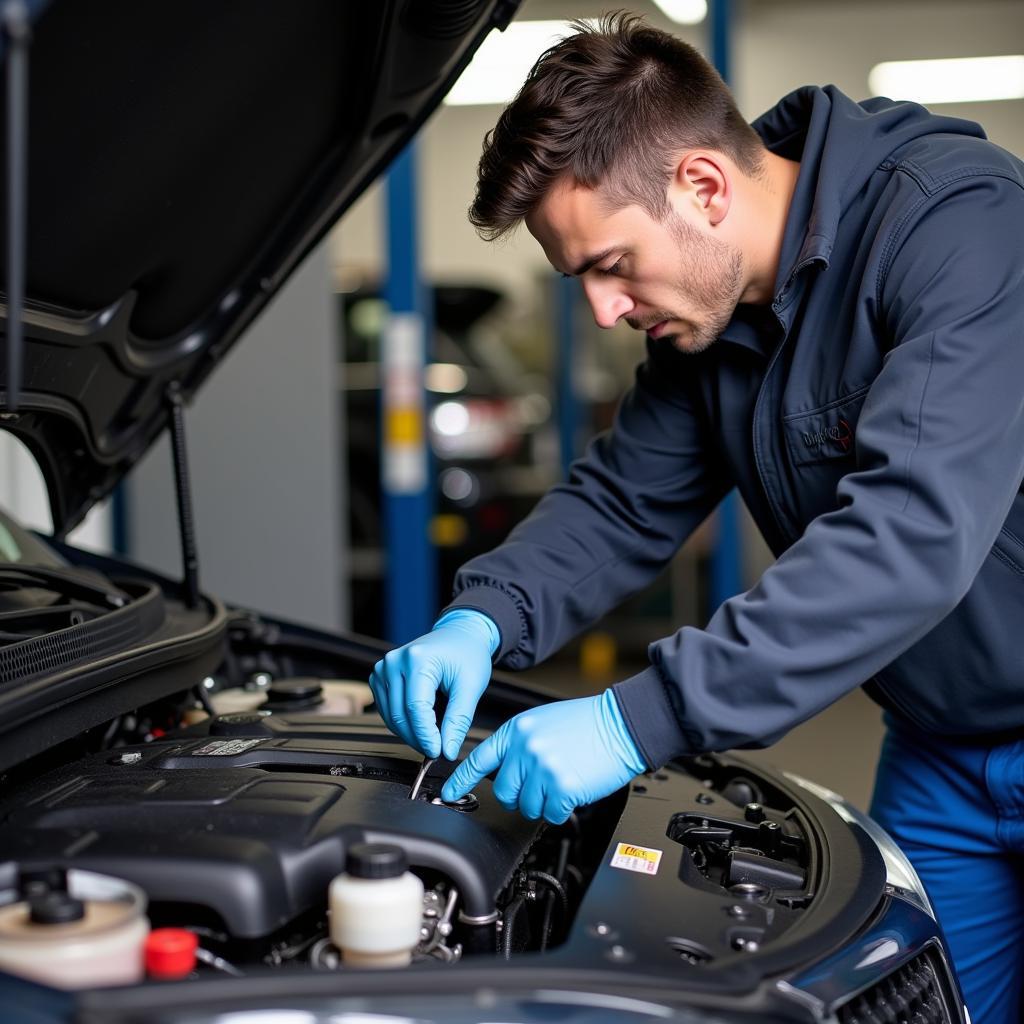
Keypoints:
pixel 636 858
pixel 404 426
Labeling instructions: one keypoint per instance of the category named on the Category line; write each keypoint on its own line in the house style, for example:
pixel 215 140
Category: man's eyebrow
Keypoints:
pixel 590 261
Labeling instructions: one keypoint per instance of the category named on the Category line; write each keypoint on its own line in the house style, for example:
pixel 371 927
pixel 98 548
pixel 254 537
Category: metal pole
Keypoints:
pixel 120 530
pixel 727 557
pixel 411 583
pixel 721 38
pixel 16 29
pixel 183 492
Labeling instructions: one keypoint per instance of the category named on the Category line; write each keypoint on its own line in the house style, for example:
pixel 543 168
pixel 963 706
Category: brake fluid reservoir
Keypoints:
pixel 376 907
pixel 90 934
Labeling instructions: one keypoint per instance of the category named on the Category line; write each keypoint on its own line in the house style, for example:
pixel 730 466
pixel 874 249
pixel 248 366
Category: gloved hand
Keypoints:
pixel 455 656
pixel 554 758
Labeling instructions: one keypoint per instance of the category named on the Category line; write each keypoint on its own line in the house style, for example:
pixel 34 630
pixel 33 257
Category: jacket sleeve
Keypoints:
pixel 630 502
pixel 939 457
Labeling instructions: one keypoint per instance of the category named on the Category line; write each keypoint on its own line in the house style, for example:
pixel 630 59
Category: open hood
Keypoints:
pixel 183 158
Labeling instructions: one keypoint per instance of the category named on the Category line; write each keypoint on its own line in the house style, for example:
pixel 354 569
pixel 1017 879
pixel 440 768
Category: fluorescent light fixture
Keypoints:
pixel 684 12
pixel 500 66
pixel 955 80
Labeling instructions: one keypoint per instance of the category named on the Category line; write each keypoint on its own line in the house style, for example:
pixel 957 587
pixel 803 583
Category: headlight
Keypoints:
pixel 900 873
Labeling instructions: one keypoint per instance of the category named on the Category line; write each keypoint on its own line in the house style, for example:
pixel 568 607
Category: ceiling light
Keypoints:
pixel 500 66
pixel 684 12
pixel 955 80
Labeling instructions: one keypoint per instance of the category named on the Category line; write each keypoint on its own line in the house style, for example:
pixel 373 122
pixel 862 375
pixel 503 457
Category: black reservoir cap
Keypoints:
pixel 35 881
pixel 55 907
pixel 294 695
pixel 376 860
pixel 240 723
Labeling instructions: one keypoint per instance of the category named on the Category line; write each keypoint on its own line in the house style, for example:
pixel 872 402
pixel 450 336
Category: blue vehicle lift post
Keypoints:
pixel 567 403
pixel 411 572
pixel 727 557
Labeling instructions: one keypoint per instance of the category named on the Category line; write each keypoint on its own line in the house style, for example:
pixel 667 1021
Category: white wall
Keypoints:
pixel 265 447
pixel 781 44
pixel 448 151
pixel 23 496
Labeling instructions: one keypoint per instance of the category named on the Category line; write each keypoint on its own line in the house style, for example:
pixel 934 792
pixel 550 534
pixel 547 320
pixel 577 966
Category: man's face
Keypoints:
pixel 669 278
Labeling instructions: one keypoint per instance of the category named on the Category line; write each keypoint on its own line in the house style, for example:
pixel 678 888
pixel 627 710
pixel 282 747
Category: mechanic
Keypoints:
pixel 833 299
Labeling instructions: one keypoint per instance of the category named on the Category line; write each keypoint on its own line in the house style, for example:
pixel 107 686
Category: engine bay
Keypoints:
pixel 234 827
pixel 189 803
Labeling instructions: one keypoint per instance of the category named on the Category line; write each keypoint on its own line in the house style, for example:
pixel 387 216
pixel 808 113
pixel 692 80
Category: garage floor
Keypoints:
pixel 837 749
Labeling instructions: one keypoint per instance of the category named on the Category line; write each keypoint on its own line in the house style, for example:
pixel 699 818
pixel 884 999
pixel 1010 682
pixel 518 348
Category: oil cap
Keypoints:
pixel 241 723
pixel 170 952
pixel 376 860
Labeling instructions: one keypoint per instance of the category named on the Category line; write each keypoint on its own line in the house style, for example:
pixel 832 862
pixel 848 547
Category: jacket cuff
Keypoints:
pixel 652 719
pixel 500 608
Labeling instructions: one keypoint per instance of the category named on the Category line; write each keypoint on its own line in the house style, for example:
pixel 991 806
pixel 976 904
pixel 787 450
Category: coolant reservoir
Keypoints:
pixel 376 907
pixel 304 695
pixel 92 933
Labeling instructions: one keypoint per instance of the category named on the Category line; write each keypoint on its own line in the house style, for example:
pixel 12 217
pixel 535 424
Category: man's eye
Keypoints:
pixel 614 268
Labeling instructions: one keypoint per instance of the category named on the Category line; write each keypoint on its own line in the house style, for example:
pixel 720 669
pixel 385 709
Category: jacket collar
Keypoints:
pixel 796 128
pixel 840 144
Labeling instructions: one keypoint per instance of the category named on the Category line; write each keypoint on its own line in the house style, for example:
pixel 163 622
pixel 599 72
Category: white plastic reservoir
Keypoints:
pixel 376 907
pixel 90 933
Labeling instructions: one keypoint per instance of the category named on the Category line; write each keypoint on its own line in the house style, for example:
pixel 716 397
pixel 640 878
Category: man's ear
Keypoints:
pixel 701 178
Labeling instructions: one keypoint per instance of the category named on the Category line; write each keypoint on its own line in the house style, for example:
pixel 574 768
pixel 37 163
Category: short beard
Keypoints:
pixel 715 284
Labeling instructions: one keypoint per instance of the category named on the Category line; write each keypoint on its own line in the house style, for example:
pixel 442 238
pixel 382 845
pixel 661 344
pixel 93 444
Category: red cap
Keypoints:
pixel 170 952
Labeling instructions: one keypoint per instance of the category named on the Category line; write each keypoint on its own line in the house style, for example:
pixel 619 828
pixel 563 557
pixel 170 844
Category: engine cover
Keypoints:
pixel 252 819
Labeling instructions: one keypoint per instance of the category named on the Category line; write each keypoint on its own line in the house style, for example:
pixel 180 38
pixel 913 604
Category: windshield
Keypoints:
pixel 18 546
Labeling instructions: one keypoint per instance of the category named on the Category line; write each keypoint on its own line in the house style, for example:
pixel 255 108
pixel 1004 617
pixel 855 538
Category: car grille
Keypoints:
pixel 912 994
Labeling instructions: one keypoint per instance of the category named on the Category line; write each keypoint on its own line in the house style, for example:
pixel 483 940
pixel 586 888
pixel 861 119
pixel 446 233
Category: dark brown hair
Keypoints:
pixel 611 106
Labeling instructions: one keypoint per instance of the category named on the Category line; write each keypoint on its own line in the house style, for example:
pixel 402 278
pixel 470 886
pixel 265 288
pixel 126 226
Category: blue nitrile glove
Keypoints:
pixel 455 656
pixel 554 758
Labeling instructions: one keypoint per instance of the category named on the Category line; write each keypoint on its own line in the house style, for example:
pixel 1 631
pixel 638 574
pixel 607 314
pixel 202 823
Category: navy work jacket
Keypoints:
pixel 873 420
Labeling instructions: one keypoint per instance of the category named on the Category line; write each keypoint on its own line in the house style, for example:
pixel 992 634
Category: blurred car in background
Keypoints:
pixel 489 427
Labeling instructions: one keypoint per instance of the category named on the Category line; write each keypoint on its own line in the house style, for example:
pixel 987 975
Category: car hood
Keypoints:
pixel 183 158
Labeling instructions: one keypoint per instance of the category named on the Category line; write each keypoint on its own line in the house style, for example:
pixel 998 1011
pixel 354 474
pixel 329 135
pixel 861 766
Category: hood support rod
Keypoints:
pixel 16 30
pixel 186 523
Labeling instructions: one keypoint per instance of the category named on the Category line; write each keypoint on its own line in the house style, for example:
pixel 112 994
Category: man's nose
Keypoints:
pixel 608 303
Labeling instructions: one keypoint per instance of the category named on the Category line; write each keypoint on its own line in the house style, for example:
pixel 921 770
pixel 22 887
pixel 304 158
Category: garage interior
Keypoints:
pixel 525 338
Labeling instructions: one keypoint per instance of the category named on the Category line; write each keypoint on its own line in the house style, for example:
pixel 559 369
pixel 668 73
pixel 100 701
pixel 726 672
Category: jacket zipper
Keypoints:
pixel 758 458
pixel 784 533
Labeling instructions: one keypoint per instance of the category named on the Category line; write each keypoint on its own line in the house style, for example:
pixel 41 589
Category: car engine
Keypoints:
pixel 235 827
pixel 214 784
pixel 239 832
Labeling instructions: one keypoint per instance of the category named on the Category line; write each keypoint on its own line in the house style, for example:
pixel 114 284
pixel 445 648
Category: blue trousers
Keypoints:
pixel 957 811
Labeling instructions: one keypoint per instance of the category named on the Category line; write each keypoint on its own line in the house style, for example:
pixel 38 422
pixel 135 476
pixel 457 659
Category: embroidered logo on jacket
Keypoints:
pixel 840 434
